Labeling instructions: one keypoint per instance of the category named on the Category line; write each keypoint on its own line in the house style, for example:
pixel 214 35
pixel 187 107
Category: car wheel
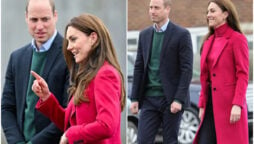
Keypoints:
pixel 189 126
pixel 132 133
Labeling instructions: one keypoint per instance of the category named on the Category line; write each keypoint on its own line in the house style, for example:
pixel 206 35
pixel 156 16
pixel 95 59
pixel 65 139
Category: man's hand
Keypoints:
pixel 175 107
pixel 134 107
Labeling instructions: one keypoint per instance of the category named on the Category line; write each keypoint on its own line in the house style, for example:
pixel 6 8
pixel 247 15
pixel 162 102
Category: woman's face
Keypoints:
pixel 79 44
pixel 215 16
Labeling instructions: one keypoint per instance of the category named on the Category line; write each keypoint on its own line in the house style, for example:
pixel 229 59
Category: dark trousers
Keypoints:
pixel 207 134
pixel 156 112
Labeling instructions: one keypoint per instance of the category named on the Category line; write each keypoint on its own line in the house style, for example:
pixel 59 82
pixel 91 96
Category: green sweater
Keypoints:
pixel 38 62
pixel 154 86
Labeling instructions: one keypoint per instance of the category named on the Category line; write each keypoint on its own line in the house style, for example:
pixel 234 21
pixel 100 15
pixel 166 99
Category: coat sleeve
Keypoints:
pixel 53 110
pixel 107 92
pixel 186 66
pixel 138 72
pixel 8 111
pixel 241 57
pixel 45 136
pixel 52 131
pixel 202 101
pixel 204 86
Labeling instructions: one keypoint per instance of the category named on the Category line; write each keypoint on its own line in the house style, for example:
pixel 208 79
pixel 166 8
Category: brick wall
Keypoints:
pixel 188 13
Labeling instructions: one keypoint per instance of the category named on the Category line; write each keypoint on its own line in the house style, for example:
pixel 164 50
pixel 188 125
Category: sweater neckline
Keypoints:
pixel 221 30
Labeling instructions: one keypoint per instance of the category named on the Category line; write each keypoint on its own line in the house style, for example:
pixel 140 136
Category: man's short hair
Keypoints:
pixel 51 2
pixel 167 3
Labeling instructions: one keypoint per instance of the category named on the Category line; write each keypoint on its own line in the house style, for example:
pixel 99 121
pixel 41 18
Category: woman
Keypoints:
pixel 224 78
pixel 97 94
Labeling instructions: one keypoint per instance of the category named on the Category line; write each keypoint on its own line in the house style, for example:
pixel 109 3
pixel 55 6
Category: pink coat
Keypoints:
pixel 230 74
pixel 94 122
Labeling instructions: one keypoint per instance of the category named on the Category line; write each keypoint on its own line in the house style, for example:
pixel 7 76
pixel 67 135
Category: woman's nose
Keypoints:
pixel 69 47
pixel 208 14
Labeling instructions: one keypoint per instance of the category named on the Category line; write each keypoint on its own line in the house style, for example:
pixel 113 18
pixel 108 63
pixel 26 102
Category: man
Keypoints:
pixel 162 75
pixel 21 122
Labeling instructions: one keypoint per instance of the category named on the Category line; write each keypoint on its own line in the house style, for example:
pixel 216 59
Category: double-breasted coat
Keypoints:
pixel 229 80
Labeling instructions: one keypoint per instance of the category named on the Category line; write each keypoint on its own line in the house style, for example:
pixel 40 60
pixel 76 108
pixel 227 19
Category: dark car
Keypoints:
pixel 190 121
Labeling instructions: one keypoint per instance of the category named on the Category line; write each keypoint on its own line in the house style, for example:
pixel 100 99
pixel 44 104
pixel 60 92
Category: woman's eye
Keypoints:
pixel 73 39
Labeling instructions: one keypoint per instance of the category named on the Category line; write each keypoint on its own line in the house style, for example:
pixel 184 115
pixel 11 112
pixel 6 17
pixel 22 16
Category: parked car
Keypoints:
pixel 190 121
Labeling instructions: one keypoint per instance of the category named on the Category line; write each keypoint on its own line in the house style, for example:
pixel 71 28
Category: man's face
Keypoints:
pixel 158 12
pixel 41 20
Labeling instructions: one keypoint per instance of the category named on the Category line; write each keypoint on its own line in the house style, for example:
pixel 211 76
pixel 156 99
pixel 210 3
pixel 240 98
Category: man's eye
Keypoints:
pixel 33 19
pixel 45 19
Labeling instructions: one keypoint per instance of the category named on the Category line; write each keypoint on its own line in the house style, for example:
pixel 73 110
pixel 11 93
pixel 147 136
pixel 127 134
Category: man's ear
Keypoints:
pixel 55 14
pixel 26 15
pixel 168 8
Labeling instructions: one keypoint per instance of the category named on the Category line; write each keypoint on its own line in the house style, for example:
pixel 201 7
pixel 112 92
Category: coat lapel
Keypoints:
pixel 53 53
pixel 223 42
pixel 206 47
pixel 148 44
pixel 26 64
pixel 166 40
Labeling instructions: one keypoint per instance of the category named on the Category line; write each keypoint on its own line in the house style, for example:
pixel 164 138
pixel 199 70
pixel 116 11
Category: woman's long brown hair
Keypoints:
pixel 232 19
pixel 103 50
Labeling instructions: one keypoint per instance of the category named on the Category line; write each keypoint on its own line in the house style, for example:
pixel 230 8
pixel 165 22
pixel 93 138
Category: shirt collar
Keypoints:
pixel 46 46
pixel 163 28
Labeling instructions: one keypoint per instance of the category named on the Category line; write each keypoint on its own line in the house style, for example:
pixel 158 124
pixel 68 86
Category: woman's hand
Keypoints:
pixel 40 87
pixel 201 113
pixel 235 114
pixel 64 139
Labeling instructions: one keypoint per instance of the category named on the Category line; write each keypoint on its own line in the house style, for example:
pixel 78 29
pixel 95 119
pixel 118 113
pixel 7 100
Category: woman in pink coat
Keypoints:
pixel 224 78
pixel 97 94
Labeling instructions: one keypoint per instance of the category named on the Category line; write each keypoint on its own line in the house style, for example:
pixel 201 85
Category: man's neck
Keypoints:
pixel 159 25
